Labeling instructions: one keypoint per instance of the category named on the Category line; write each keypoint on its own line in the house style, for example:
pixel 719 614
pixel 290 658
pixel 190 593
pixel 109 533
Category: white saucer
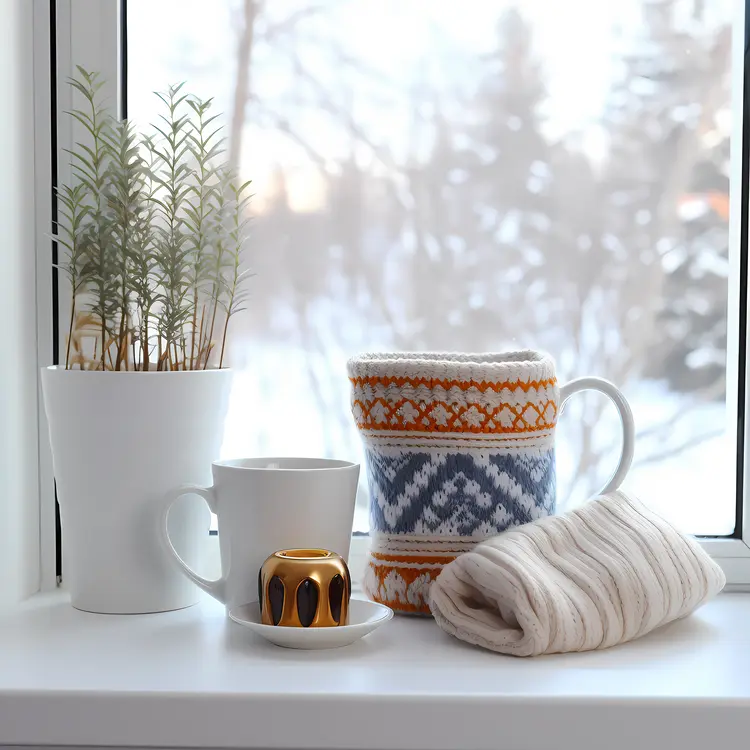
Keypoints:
pixel 364 617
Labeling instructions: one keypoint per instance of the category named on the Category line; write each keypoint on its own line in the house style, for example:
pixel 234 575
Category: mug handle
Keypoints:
pixel 216 588
pixel 626 418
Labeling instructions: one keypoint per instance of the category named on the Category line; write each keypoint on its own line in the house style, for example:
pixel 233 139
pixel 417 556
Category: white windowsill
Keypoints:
pixel 192 679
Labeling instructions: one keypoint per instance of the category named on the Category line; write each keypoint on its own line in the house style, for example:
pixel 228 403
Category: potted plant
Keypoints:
pixel 153 229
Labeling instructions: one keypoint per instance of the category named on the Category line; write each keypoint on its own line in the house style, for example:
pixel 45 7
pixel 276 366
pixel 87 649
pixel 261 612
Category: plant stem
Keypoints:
pixel 104 339
pixel 99 213
pixel 125 358
pixel 200 340
pixel 144 342
pixel 210 335
pixel 224 341
pixel 192 329
pixel 121 336
pixel 125 353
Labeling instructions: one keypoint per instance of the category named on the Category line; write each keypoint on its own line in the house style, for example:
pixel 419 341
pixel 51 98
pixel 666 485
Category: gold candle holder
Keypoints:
pixel 304 588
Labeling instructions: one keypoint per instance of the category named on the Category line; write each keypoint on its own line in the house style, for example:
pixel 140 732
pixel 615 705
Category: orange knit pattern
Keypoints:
pixel 440 416
pixel 403 598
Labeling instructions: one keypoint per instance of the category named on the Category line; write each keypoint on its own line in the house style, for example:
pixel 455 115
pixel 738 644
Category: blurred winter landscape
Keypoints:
pixel 478 177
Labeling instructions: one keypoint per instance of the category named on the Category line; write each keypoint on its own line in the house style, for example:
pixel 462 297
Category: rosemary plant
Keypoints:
pixel 154 229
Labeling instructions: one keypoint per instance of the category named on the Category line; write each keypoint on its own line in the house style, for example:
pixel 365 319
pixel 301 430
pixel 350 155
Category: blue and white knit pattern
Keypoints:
pixel 458 494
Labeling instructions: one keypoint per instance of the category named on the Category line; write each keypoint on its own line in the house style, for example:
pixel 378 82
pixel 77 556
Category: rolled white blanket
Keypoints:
pixel 597 576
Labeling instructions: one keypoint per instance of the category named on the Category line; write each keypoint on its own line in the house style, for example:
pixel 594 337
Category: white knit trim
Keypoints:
pixel 391 446
pixel 397 540
pixel 396 544
pixel 525 365
pixel 457 437
pixel 403 565
pixel 489 398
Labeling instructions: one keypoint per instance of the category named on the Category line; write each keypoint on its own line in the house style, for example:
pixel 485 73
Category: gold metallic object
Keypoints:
pixel 304 588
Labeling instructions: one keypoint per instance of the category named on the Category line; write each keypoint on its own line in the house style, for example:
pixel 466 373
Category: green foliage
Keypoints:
pixel 154 231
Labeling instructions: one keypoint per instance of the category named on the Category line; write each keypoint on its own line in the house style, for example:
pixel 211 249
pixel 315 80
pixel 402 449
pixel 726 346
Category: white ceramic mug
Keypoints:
pixel 264 505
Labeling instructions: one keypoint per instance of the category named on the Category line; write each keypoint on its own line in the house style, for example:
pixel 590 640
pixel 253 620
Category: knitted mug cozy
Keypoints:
pixel 458 448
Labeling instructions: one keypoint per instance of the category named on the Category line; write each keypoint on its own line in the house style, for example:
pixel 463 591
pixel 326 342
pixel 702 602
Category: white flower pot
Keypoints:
pixel 120 441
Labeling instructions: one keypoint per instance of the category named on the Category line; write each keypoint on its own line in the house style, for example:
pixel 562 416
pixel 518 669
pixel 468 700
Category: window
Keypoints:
pixel 502 177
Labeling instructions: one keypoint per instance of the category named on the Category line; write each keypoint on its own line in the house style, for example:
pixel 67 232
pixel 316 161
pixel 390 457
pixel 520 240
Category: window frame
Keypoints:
pixel 97 31
pixel 91 28
pixel 46 256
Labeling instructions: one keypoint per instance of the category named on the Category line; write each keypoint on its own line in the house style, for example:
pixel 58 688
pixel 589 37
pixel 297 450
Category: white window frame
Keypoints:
pixel 89 34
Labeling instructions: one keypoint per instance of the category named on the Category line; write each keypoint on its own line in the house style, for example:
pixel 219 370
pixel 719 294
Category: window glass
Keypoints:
pixel 491 176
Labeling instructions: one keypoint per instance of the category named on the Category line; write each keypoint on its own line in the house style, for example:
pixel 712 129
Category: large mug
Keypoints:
pixel 264 505
pixel 459 447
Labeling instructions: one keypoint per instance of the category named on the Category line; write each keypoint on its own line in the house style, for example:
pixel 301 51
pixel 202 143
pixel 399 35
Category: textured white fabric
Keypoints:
pixel 597 576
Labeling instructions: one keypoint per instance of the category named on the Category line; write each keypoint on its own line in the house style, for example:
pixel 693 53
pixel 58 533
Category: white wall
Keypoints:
pixel 19 494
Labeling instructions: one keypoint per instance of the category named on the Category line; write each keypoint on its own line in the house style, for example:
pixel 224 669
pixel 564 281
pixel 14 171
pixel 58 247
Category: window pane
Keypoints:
pixel 497 177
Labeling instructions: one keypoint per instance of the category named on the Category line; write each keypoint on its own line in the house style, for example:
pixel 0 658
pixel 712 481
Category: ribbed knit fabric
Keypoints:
pixel 604 574
pixel 458 448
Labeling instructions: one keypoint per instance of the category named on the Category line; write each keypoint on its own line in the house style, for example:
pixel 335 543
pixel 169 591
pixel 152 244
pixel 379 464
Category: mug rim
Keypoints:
pixel 314 463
